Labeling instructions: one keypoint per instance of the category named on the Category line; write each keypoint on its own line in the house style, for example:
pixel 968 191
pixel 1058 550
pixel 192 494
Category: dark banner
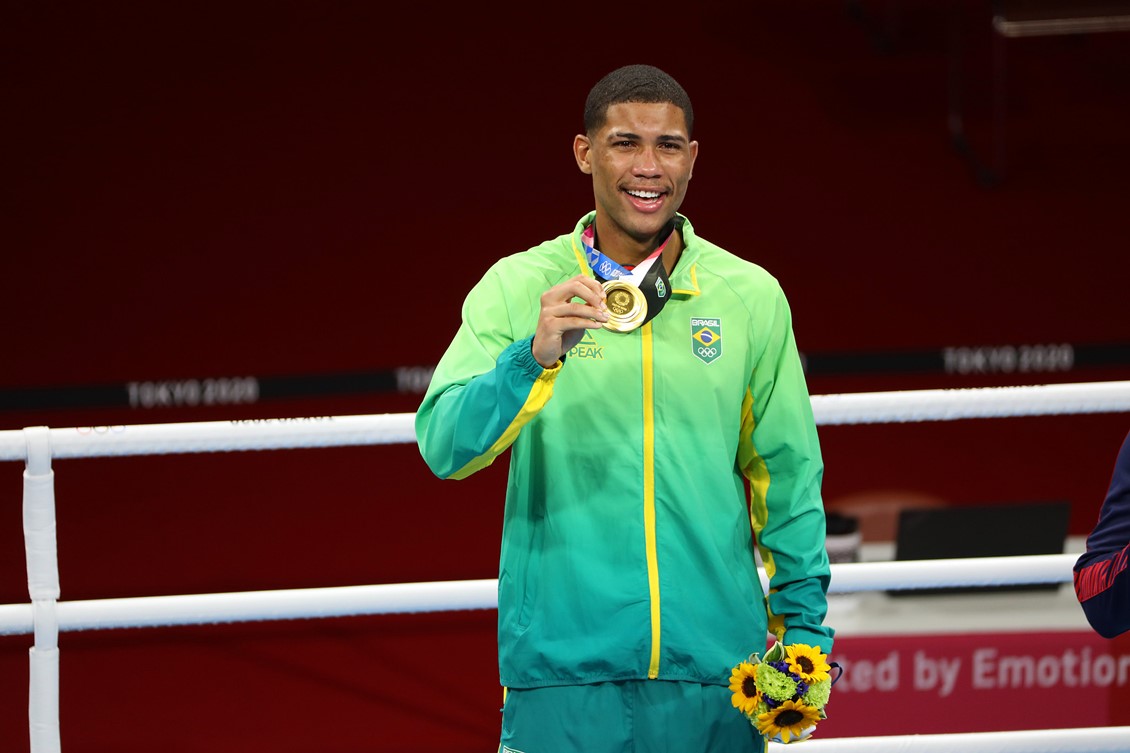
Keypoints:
pixel 244 390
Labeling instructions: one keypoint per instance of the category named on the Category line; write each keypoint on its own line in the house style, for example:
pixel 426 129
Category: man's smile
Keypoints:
pixel 645 198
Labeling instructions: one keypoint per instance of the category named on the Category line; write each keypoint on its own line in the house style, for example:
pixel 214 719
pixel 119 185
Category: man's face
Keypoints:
pixel 640 162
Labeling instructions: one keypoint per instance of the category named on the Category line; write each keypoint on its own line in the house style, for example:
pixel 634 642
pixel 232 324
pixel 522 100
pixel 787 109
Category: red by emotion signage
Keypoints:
pixel 924 684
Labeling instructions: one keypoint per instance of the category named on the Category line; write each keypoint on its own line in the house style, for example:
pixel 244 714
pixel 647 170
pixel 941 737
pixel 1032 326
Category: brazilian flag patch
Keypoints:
pixel 706 339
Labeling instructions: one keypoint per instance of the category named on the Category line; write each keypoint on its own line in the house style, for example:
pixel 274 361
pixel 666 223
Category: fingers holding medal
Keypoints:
pixel 563 320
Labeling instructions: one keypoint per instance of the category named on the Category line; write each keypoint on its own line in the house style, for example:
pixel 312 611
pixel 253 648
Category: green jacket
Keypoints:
pixel 627 550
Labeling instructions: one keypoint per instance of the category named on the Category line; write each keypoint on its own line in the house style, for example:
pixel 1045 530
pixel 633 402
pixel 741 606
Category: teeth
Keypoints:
pixel 644 194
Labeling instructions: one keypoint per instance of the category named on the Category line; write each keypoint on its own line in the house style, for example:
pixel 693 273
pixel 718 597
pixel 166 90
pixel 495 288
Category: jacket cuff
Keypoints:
pixel 522 353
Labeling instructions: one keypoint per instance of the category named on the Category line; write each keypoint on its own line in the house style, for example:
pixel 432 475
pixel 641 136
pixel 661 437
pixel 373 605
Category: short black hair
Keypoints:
pixel 634 83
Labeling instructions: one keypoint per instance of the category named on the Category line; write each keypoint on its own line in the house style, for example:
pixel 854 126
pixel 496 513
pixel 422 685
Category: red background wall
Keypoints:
pixel 217 190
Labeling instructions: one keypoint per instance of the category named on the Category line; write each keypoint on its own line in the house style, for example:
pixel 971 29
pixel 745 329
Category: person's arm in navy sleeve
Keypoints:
pixel 1102 579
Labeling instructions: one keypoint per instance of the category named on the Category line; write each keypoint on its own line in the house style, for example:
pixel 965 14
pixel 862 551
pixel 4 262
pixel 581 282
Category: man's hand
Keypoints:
pixel 563 322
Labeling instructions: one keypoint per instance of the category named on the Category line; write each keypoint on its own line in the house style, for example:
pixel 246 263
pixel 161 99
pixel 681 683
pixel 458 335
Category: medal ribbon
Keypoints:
pixel 650 277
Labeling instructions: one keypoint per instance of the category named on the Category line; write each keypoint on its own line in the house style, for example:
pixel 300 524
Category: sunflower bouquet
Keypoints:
pixel 784 694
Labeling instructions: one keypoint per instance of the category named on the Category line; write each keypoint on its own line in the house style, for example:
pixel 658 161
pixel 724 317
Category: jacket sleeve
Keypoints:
pixel 486 387
pixel 779 452
pixel 1102 580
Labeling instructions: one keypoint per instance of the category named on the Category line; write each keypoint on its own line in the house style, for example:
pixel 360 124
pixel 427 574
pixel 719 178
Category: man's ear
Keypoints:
pixel 582 149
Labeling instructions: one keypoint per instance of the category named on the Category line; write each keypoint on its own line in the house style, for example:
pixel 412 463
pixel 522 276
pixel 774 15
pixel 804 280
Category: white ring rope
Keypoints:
pixel 397 428
pixel 220 436
pixel 984 402
pixel 198 609
pixel 1091 740
pixel 45 617
pixel 249 606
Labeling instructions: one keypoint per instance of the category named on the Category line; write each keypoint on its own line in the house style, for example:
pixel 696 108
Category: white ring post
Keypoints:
pixel 43 586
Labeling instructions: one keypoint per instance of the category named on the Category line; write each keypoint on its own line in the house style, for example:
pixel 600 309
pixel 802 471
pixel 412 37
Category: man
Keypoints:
pixel 1102 579
pixel 635 417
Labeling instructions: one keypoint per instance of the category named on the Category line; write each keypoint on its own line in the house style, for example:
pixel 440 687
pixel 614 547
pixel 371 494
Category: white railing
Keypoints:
pixel 399 598
pixel 1094 740
pixel 45 616
pixel 396 428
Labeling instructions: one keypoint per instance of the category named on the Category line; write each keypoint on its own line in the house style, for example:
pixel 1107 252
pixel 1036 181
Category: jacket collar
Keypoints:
pixel 684 279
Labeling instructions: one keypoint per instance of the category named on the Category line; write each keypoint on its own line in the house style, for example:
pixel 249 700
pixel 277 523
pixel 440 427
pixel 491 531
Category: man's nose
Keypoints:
pixel 647 163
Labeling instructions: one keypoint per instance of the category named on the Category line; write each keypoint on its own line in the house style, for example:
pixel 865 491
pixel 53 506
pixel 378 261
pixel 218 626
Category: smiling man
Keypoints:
pixel 646 381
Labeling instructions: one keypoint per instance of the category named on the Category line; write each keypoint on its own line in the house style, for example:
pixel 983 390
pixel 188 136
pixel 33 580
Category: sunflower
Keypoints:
pixel 743 683
pixel 807 663
pixel 789 719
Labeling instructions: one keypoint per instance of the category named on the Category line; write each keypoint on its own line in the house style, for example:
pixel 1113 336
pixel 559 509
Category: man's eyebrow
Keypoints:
pixel 628 135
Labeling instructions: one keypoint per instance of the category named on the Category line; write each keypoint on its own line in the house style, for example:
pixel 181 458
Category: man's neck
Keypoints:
pixel 629 252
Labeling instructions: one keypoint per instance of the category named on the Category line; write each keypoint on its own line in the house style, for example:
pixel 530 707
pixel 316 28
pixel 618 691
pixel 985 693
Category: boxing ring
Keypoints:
pixel 45 616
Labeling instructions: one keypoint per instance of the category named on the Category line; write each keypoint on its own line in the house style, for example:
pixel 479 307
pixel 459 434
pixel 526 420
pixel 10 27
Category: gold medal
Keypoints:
pixel 627 308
